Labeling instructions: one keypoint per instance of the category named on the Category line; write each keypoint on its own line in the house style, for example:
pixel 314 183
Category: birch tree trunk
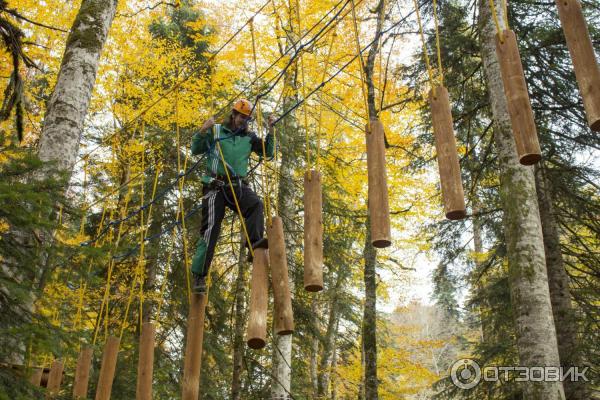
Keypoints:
pixel 560 295
pixel 68 105
pixel 536 335
pixel 63 124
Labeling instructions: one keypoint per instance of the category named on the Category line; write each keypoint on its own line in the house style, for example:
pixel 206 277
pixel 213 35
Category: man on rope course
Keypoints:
pixel 236 143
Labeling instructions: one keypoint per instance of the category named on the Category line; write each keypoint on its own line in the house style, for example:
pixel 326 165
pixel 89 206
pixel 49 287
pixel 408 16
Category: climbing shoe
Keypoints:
pixel 259 244
pixel 199 284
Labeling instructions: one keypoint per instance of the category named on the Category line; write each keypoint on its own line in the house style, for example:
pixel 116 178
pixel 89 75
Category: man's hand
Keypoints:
pixel 208 124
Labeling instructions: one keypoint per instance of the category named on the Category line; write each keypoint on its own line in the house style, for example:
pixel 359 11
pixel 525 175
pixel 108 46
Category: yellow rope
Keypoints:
pixel 110 270
pixel 85 173
pixel 55 302
pixel 164 283
pixel 437 43
pixel 78 313
pixel 259 122
pixel 276 177
pixel 319 122
pixel 305 105
pixel 360 60
pixel 139 271
pixel 505 7
pixel 180 201
pixel 237 205
pixel 305 112
pixel 141 259
pixel 105 298
pixel 380 87
pixel 496 20
pixel 144 233
pixel 422 34
pixel 83 282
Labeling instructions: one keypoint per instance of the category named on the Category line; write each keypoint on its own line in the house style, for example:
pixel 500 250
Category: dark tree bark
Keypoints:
pixel 369 331
pixel 560 296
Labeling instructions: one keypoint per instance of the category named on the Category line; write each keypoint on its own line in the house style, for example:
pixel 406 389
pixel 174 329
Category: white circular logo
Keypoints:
pixel 465 374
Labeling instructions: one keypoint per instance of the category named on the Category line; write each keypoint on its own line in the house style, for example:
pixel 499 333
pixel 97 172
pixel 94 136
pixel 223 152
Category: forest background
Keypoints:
pixel 94 261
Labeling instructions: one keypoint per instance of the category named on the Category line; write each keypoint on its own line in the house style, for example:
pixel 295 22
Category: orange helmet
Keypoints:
pixel 243 106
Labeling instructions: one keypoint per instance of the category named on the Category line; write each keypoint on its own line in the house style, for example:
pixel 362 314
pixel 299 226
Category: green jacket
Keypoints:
pixel 236 150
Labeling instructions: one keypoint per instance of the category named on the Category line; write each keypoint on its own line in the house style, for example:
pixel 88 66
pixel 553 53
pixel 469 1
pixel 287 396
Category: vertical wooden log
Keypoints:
pixel 519 106
pixel 82 373
pixel 313 232
pixel 379 209
pixel 284 316
pixel 193 348
pixel 107 368
pixel 36 376
pixel 145 362
pixel 445 144
pixel 54 379
pixel 584 59
pixel 256 334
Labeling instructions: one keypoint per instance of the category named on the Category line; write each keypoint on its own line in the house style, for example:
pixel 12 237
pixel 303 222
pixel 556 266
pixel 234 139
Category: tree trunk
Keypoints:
pixel 486 329
pixel 536 335
pixel 314 353
pixel 333 368
pixel 369 331
pixel 68 105
pixel 558 282
pixel 329 341
pixel 239 327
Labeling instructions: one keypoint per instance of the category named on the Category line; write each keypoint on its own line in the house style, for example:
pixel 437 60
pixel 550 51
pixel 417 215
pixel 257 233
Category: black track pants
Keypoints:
pixel 213 211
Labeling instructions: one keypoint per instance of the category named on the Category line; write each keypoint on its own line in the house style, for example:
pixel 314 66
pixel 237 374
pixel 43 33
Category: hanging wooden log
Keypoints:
pixel 107 368
pixel 256 334
pixel 445 144
pixel 313 232
pixel 193 347
pixel 145 362
pixel 36 376
pixel 284 316
pixel 584 59
pixel 519 106
pixel 379 209
pixel 82 373
pixel 54 379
